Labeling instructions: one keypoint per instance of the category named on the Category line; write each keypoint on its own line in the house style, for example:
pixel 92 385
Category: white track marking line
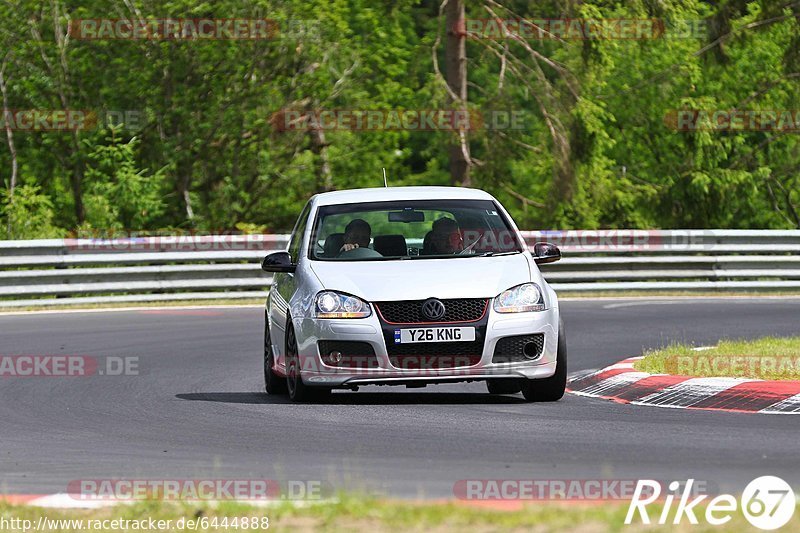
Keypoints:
pixel 626 363
pixel 699 298
pixel 690 299
pixel 582 374
pixel 65 501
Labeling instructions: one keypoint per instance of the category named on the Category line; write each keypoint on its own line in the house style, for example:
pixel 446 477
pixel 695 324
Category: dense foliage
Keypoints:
pixel 199 147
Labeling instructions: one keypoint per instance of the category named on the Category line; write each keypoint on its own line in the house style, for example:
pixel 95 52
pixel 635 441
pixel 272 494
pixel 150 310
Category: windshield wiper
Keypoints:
pixel 451 256
pixel 496 254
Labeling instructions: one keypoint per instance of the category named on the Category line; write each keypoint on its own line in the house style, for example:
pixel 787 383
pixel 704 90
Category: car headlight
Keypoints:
pixel 520 299
pixel 330 304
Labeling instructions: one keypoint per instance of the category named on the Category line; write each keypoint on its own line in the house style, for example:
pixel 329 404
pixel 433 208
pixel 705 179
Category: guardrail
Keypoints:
pixel 54 272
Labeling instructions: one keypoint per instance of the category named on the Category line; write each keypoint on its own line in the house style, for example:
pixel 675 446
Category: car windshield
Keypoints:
pixel 421 229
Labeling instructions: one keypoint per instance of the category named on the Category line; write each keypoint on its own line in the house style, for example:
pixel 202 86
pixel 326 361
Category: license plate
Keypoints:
pixel 407 336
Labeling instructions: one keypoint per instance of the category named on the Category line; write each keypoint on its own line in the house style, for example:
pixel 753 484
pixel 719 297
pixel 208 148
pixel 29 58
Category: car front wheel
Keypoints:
pixel 273 383
pixel 299 391
pixel 550 389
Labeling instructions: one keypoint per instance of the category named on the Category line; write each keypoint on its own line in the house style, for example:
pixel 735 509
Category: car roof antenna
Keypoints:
pixel 385 184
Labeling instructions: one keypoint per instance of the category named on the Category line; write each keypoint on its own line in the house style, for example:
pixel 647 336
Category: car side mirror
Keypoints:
pixel 545 252
pixel 278 262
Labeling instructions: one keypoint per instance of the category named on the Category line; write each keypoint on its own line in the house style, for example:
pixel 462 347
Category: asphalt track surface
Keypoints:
pixel 196 410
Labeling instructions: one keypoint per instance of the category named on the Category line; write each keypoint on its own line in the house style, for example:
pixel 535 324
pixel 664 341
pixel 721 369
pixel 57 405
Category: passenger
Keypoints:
pixel 446 237
pixel 357 235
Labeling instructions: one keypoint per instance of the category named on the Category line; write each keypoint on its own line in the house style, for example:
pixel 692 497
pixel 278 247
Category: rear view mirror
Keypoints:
pixel 545 252
pixel 406 215
pixel 278 262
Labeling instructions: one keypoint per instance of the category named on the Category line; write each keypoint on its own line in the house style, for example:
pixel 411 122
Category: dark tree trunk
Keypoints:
pixel 319 145
pixel 77 179
pixel 456 74
pixel 9 133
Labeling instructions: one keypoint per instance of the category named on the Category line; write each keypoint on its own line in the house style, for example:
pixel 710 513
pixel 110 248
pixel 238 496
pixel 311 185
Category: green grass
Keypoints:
pixel 771 358
pixel 369 514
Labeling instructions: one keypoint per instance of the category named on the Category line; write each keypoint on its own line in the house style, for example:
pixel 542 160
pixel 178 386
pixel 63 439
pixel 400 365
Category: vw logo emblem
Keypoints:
pixel 433 309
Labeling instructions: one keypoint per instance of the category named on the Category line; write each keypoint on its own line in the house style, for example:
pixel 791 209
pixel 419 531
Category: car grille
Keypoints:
pixel 410 311
pixel 512 349
pixel 427 355
pixel 355 354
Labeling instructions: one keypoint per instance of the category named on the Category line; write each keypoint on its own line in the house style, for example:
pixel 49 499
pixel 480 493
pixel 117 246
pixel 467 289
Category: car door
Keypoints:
pixel 284 286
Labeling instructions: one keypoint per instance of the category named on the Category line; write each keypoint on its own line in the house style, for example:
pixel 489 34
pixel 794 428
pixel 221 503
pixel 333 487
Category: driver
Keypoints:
pixel 356 240
pixel 446 237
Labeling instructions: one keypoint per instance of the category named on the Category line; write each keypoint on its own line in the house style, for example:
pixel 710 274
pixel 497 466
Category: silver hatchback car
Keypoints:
pixel 411 286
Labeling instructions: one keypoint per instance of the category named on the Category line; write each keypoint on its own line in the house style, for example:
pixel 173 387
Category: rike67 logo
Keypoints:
pixel 767 502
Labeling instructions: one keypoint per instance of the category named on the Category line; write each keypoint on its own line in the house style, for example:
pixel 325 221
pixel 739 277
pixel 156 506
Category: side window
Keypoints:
pixel 297 235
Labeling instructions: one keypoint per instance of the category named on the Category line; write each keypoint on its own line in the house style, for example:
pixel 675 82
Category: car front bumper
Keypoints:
pixel 316 372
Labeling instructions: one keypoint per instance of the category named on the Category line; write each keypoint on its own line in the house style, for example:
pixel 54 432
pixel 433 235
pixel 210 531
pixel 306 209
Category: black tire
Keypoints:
pixel 550 389
pixel 273 383
pixel 503 386
pixel 299 391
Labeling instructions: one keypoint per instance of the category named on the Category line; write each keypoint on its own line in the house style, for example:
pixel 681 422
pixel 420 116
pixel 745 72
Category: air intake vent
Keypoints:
pixel 518 348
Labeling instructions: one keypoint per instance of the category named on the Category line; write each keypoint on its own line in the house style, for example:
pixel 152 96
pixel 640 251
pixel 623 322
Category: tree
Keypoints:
pixel 456 72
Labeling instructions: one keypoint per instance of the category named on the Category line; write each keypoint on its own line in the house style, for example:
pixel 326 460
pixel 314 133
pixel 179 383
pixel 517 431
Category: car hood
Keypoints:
pixel 418 279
